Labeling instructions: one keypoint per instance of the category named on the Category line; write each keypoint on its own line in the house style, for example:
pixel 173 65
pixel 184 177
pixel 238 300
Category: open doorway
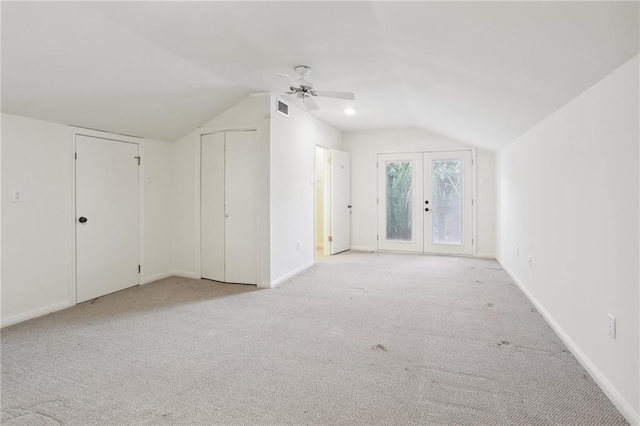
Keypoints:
pixel 333 201
pixel 322 200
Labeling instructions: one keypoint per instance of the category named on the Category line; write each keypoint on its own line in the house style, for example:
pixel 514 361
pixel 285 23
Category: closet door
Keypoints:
pixel 241 197
pixel 212 223
pixel 107 219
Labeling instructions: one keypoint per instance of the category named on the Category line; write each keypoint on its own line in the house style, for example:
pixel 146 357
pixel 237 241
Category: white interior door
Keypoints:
pixel 340 201
pixel 229 207
pixel 241 197
pixel 448 192
pixel 400 222
pixel 212 201
pixel 107 217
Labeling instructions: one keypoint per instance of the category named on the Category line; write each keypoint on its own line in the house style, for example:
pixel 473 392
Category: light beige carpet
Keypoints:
pixel 359 339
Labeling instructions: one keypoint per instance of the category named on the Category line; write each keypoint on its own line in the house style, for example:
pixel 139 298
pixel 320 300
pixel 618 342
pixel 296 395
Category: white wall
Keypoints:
pixel 158 209
pixel 37 233
pixel 569 196
pixel 293 140
pixel 184 160
pixel 364 147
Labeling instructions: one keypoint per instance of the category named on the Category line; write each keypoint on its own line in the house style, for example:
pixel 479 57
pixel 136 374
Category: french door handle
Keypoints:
pixel 82 219
pixel 426 209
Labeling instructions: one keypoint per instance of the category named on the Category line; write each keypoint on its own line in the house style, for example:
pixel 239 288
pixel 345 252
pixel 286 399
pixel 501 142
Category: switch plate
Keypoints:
pixel 612 326
pixel 16 195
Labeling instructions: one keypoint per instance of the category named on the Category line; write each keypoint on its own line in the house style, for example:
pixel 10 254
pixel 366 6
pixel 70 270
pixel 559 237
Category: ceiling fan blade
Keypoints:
pixel 255 95
pixel 337 95
pixel 286 77
pixel 310 104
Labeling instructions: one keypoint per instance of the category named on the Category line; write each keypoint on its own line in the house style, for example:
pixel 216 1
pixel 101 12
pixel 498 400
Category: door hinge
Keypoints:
pixel 473 241
pixel 376 164
pixel 472 161
pixel 377 201
pixel 138 158
pixel 330 238
pixel 473 201
pixel 378 237
pixel 139 269
pixel 76 155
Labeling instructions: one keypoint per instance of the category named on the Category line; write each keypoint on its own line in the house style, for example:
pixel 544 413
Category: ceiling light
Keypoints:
pixel 349 111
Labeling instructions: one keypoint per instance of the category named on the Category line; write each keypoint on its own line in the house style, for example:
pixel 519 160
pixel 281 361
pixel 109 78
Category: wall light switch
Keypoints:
pixel 16 195
pixel 612 326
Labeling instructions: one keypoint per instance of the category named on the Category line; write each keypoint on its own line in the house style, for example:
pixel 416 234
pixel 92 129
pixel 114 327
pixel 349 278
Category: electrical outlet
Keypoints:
pixel 530 260
pixel 16 195
pixel 612 326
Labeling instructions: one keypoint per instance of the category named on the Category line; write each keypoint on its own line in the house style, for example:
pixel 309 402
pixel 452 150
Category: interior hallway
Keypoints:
pixel 357 339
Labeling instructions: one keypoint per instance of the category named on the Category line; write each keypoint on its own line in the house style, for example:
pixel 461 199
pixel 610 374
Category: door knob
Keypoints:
pixel 82 219
pixel 426 202
pixel 426 209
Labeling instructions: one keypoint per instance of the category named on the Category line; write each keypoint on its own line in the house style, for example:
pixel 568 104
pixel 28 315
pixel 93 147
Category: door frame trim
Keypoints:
pixel 262 224
pixel 80 131
pixel 474 206
pixel 326 249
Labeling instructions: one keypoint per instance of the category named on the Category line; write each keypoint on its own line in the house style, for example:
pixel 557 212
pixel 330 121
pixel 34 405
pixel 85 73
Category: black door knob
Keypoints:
pixel 426 202
pixel 82 219
pixel 426 209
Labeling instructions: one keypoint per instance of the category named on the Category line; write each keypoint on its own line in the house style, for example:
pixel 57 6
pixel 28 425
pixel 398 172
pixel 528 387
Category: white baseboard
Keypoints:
pixel 180 273
pixel 157 277
pixel 291 274
pixel 363 248
pixel 35 313
pixel 485 255
pixel 612 393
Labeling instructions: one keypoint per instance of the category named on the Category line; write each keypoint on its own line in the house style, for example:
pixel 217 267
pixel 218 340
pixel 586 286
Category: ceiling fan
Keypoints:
pixel 303 89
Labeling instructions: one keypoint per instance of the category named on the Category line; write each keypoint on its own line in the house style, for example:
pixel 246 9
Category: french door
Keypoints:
pixel 425 202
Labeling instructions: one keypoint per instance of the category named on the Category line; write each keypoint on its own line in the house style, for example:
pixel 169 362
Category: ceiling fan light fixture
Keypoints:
pixel 349 111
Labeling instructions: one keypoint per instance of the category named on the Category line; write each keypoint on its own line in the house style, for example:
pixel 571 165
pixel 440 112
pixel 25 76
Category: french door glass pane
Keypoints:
pixel 447 201
pixel 399 200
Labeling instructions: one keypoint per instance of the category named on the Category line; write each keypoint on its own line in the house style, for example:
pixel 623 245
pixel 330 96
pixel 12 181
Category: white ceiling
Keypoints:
pixel 480 72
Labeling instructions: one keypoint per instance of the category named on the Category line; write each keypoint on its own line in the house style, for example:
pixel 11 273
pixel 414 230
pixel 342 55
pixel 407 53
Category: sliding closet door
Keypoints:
pixel 241 189
pixel 212 201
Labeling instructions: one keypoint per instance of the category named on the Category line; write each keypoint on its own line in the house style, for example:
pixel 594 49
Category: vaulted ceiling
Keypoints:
pixel 480 72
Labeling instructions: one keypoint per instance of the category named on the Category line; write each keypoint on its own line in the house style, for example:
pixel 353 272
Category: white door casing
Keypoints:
pixel 107 196
pixel 340 214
